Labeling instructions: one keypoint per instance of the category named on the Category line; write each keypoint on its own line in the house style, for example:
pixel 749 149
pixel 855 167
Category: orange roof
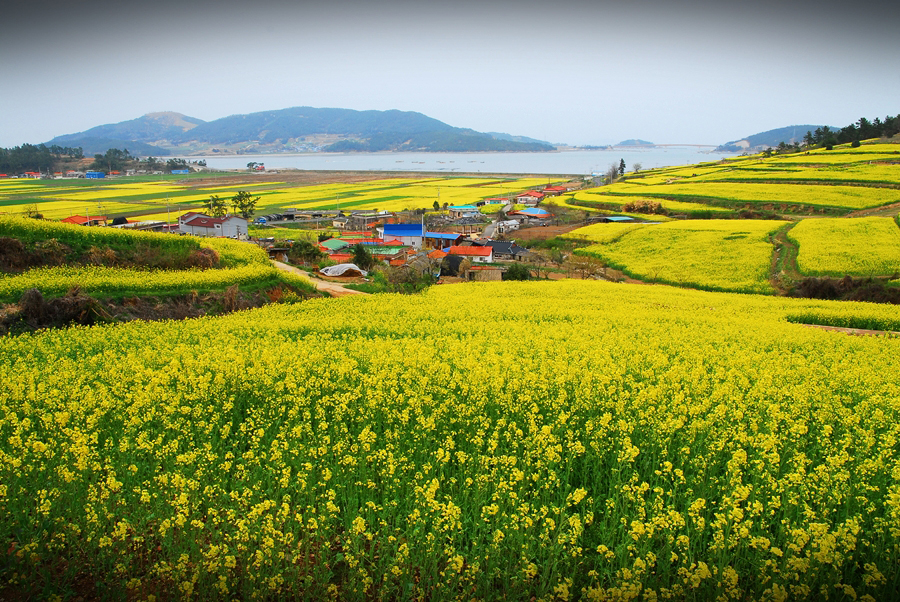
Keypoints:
pixel 477 251
pixel 437 254
pixel 82 219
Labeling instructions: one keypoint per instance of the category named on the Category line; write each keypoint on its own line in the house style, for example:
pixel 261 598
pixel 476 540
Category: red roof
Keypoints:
pixel 556 188
pixel 199 220
pixel 476 251
pixel 82 219
pixel 394 243
pixel 533 193
pixel 340 257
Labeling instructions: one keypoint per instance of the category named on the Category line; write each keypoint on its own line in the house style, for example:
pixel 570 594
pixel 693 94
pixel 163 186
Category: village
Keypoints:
pixel 452 242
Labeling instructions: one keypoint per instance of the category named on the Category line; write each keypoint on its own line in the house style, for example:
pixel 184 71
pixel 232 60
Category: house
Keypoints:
pixel 86 220
pixel 457 211
pixel 473 254
pixel 506 226
pixel 439 240
pixel 412 235
pixel 530 197
pixel 333 245
pixel 507 250
pixel 365 220
pixel 554 190
pixel 468 225
pixel 533 213
pixel 198 224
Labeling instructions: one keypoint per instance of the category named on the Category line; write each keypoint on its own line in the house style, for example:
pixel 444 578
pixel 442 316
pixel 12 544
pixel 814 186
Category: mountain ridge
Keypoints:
pixel 295 129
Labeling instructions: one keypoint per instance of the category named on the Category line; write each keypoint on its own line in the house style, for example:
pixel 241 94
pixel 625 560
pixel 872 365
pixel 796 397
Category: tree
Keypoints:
pixel 437 206
pixel 244 203
pixel 215 206
pixel 362 258
pixel 809 140
pixel 612 173
pixel 621 167
pixel 637 167
pixel 176 164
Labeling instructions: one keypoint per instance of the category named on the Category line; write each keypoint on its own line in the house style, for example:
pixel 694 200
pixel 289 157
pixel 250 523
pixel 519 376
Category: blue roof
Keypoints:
pixel 620 218
pixel 442 235
pixel 403 230
pixel 466 207
pixel 534 211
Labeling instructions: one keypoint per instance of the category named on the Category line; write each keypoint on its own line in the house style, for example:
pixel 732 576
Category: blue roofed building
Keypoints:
pixel 412 235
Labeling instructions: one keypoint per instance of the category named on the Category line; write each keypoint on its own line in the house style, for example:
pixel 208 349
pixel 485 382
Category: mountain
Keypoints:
pixel 303 129
pixel 141 136
pixel 634 142
pixel 500 136
pixel 769 139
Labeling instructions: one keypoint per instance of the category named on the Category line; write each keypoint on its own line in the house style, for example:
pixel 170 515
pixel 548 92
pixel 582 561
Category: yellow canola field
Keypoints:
pixel 856 246
pixel 602 233
pixel 724 255
pixel 672 443
pixel 848 197
pixel 667 204
pixel 878 173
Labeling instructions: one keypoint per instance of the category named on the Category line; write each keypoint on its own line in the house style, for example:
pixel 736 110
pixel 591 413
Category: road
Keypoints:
pixel 331 288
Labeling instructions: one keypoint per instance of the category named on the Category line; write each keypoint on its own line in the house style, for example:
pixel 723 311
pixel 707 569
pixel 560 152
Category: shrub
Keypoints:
pixel 517 271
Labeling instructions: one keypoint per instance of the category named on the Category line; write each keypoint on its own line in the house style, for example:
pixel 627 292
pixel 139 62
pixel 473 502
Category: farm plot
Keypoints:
pixel 724 255
pixel 853 246
pixel 840 197
pixel 680 444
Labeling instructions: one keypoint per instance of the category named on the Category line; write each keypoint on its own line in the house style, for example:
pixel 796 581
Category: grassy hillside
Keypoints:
pixel 832 182
pixel 116 263
pixel 681 443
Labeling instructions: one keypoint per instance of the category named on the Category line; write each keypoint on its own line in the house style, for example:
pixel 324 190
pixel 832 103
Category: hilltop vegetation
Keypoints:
pixel 125 269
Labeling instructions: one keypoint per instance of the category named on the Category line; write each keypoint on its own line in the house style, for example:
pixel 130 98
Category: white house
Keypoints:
pixel 198 224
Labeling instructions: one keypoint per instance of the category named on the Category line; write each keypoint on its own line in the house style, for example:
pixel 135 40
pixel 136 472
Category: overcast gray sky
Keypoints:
pixel 573 71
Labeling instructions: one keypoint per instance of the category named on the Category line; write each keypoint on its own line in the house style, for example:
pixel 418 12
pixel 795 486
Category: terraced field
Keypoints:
pixel 832 182
pixel 168 198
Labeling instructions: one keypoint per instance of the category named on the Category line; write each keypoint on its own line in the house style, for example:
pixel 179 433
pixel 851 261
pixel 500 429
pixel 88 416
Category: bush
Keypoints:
pixel 854 144
pixel 517 271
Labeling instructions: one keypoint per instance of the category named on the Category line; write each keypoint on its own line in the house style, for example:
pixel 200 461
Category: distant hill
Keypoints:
pixel 769 139
pixel 296 129
pixel 147 135
pixel 507 137
pixel 635 142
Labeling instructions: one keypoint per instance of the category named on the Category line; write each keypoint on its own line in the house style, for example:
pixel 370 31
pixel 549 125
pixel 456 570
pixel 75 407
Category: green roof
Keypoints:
pixel 334 244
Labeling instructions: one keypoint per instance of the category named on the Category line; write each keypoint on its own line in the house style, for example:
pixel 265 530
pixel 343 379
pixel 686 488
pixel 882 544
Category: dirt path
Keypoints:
pixel 883 211
pixel 335 290
pixel 783 266
pixel 855 331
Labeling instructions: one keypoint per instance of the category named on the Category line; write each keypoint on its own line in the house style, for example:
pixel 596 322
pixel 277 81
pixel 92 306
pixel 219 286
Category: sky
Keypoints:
pixel 566 71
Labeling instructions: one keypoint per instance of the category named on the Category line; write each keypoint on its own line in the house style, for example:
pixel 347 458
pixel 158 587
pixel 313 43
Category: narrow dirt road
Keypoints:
pixel 335 290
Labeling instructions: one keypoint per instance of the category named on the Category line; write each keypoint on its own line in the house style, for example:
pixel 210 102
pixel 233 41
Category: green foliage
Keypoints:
pixel 244 203
pixel 215 206
pixel 517 271
pixel 362 257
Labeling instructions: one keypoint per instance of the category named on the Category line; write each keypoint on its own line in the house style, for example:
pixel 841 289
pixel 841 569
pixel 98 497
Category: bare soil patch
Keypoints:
pixel 544 232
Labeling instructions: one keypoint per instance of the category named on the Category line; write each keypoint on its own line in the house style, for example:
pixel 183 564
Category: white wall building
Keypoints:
pixel 198 224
